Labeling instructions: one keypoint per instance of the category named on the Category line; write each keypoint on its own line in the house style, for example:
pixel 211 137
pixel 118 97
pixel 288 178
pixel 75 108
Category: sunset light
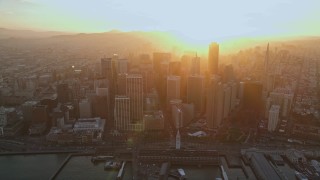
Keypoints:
pixel 195 21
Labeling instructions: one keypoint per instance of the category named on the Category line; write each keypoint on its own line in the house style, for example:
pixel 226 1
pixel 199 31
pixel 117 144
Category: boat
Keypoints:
pixel 112 165
pixel 181 172
pixel 95 159
pixel 300 176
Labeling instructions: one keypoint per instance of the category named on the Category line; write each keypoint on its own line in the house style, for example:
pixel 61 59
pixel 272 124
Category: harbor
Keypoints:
pixel 160 164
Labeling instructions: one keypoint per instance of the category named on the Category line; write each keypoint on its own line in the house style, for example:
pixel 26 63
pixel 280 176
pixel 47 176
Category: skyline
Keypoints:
pixel 187 20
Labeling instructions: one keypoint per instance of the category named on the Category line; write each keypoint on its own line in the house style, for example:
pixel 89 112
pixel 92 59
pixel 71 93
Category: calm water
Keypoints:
pixel 81 167
pixel 30 166
pixel 78 167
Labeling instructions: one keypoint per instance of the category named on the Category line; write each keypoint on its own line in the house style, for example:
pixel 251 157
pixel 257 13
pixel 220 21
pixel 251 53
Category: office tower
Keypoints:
pixel 85 108
pixel 195 90
pixel 40 119
pixel 158 58
pixel 76 91
pixel 252 96
pixel 122 84
pixel 109 72
pixel 148 80
pixel 267 107
pixel 186 62
pixel 102 91
pixel 226 101
pixel 173 88
pixel 108 68
pixel 188 113
pixel 287 103
pixel 281 97
pixel 100 104
pixel 175 68
pixel 241 89
pixel 135 93
pixel 228 74
pixel 100 83
pixel 178 140
pixel 122 113
pixel 122 66
pixel 273 117
pixel 164 69
pixel 213 59
pixel 176 112
pixel 265 76
pixel 233 86
pixel 195 66
pixel 3 118
pixel 40 114
pixel 27 108
pixel 145 59
pixel 219 104
pixel 154 121
pixel 63 93
pixel 211 107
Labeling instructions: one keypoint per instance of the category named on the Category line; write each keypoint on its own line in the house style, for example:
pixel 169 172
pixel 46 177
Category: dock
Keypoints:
pixel 66 161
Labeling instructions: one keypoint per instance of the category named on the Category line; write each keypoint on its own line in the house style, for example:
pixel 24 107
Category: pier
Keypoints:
pixel 66 161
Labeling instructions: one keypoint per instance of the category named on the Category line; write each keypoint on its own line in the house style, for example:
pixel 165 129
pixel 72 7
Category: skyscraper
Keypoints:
pixel 252 96
pixel 135 93
pixel 213 59
pixel 108 68
pixel 227 100
pixel 122 113
pixel 211 107
pixel 219 104
pixel 215 102
pixel 85 108
pixel 63 92
pixel 273 117
pixel 175 68
pixel 195 90
pixel 109 72
pixel 173 88
pixel 158 58
pixel 195 66
pixel 122 84
pixel 122 66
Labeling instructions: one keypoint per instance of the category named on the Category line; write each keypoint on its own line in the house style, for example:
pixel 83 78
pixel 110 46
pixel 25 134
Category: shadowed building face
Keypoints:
pixel 213 59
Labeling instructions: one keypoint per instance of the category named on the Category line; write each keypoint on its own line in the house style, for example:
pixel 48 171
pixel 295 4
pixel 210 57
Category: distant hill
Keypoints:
pixel 135 41
pixel 12 33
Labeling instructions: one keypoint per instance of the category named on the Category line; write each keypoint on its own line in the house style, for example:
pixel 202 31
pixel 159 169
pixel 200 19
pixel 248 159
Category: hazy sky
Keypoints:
pixel 193 19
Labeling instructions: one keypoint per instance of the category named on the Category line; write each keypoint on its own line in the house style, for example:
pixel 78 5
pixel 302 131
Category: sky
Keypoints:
pixel 195 20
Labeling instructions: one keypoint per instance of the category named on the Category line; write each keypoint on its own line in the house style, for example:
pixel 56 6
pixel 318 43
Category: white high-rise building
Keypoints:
pixel 195 91
pixel 267 108
pixel 173 88
pixel 135 93
pixel 176 115
pixel 273 117
pixel 122 113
